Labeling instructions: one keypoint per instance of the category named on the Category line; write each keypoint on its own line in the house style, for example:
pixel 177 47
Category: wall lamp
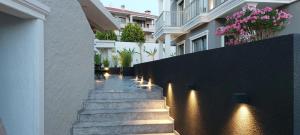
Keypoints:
pixel 191 86
pixel 240 98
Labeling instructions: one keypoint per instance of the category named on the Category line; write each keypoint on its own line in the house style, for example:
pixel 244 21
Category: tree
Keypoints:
pixel 134 33
pixel 151 53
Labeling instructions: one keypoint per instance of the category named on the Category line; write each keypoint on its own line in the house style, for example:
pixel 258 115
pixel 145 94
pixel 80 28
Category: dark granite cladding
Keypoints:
pixel 264 70
pixel 297 85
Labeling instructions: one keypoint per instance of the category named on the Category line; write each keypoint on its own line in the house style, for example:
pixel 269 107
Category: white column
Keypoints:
pixel 161 50
pixel 160 6
pixel 131 19
pixel 109 54
pixel 166 5
pixel 168 41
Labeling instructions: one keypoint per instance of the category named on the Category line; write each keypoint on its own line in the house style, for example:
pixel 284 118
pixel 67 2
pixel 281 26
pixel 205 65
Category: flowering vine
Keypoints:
pixel 252 24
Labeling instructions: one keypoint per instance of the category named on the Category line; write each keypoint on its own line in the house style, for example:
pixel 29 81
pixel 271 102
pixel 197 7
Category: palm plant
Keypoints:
pixel 151 53
pixel 126 57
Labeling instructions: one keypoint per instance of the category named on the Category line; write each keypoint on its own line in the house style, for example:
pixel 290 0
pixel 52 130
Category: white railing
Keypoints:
pixel 179 18
pixel 195 8
pixel 170 19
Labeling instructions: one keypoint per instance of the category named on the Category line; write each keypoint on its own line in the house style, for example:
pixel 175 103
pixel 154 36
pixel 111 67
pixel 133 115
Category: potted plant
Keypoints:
pixel 151 53
pixel 126 61
pixel 97 62
pixel 106 63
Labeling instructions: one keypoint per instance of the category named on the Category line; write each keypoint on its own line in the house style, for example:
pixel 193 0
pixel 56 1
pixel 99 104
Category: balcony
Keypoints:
pixel 198 13
pixel 170 22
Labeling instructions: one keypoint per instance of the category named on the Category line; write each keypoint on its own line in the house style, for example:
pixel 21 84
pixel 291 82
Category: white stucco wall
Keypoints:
pixel 119 46
pixel 69 69
pixel 21 75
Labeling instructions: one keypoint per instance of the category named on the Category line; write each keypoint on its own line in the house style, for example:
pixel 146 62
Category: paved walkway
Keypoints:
pixel 122 106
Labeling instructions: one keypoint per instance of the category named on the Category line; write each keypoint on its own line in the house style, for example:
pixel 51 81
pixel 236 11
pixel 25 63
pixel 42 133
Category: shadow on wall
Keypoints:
pixel 2 129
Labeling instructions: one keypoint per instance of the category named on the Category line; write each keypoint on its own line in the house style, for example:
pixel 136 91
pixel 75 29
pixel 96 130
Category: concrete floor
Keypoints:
pixel 117 83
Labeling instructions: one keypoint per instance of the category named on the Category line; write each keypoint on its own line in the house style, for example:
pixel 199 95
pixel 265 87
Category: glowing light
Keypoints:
pixel 136 78
pixel 149 83
pixel 243 122
pixel 106 75
pixel 142 81
pixel 106 68
pixel 192 110
pixel 170 98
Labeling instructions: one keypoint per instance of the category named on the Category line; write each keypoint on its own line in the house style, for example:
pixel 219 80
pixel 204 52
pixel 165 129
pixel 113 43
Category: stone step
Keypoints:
pixel 105 95
pixel 124 104
pixel 124 127
pixel 155 134
pixel 123 115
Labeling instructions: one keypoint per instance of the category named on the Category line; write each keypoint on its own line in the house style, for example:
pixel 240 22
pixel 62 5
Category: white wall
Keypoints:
pixel 119 46
pixel 69 69
pixel 21 73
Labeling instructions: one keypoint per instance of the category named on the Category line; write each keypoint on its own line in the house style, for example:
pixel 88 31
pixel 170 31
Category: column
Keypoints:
pixel 161 50
pixel 168 41
pixel 131 19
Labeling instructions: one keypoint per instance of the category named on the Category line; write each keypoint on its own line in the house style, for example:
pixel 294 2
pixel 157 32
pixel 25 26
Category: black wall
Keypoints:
pixel 264 70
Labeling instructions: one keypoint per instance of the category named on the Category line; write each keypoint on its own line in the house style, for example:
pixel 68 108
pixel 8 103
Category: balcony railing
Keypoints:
pixel 170 19
pixel 179 18
pixel 195 8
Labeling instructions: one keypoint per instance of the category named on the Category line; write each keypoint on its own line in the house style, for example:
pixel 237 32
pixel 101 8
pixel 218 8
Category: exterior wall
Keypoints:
pixel 202 88
pixel 69 71
pixel 296 85
pixel 21 75
pixel 293 27
pixel 119 46
pixel 213 40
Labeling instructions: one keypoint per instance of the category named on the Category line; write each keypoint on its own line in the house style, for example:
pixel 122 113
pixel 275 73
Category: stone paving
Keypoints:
pixel 122 106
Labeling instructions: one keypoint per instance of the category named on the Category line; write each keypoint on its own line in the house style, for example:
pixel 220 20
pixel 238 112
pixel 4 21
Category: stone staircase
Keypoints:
pixel 134 111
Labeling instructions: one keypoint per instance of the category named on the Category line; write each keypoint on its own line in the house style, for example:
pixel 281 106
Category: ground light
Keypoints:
pixel 106 68
pixel 106 75
pixel 149 83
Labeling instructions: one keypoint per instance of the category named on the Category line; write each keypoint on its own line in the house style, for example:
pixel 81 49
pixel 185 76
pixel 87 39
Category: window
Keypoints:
pixel 200 44
pixel 180 49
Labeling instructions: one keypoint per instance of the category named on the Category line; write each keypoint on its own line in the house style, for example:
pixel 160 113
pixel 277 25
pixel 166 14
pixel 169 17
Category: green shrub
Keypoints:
pixel 106 62
pixel 126 57
pixel 97 59
pixel 106 35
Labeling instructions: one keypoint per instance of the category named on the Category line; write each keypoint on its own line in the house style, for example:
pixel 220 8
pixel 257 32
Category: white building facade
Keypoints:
pixel 147 22
pixel 190 25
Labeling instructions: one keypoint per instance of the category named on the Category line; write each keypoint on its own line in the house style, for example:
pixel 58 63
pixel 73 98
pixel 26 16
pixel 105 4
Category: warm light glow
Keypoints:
pixel 149 83
pixel 192 112
pixel 243 122
pixel 142 81
pixel 106 68
pixel 170 98
pixel 136 78
pixel 106 75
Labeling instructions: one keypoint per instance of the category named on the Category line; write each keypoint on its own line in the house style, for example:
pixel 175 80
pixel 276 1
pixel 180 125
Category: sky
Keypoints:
pixel 134 5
